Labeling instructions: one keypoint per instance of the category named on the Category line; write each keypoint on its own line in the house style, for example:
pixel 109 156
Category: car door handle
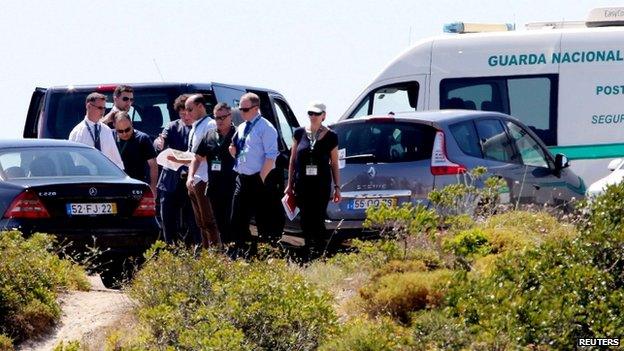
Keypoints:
pixel 537 187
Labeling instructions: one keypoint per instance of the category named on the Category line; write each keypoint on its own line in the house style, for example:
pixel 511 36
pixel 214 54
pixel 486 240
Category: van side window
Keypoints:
pixel 466 138
pixel 532 99
pixel 395 98
pixel 495 143
pixel 285 128
pixel 531 153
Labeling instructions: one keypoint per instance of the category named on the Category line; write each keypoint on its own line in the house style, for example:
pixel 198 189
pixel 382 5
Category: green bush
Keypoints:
pixel 433 330
pixel 193 301
pixel 69 346
pixel 6 343
pixel 400 294
pixel 603 232
pixel 365 335
pixel 546 295
pixel 30 277
pixel 469 244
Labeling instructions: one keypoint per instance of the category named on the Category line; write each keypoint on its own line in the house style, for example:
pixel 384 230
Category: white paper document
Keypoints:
pixel 162 160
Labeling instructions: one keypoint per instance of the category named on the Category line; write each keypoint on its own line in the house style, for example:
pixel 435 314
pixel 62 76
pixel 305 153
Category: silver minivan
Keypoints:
pixel 399 159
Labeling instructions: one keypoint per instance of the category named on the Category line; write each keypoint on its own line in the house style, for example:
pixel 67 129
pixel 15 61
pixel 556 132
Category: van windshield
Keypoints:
pixel 385 142
pixel 151 112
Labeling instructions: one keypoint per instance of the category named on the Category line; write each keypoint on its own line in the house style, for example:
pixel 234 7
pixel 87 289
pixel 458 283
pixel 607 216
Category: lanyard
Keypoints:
pixel 192 133
pixel 315 139
pixel 95 138
pixel 246 132
pixel 124 145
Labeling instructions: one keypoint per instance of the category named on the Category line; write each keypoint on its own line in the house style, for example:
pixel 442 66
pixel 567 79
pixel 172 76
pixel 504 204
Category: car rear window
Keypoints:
pixel 385 141
pixel 466 137
pixel 151 112
pixel 40 162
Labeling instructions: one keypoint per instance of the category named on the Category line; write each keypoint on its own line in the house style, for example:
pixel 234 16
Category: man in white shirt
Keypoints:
pixel 93 133
pixel 197 180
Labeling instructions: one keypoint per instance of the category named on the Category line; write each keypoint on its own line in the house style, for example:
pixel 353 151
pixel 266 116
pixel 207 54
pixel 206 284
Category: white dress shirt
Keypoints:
pixel 108 147
pixel 199 130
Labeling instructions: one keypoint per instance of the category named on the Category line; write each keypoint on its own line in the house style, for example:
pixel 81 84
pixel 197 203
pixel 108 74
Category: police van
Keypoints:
pixel 565 80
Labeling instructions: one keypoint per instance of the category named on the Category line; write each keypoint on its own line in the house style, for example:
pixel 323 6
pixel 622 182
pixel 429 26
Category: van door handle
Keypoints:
pixel 537 187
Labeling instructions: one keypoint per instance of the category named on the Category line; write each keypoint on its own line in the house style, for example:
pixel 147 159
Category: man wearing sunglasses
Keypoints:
pixel 213 149
pixel 93 133
pixel 197 180
pixel 136 150
pixel 254 147
pixel 123 98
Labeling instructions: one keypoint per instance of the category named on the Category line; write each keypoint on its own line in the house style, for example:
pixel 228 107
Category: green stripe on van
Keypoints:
pixel 589 152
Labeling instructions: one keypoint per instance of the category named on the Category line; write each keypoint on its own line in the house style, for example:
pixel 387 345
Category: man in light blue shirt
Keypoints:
pixel 254 146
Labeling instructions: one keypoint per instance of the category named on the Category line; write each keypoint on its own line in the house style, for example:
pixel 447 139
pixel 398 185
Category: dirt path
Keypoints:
pixel 86 315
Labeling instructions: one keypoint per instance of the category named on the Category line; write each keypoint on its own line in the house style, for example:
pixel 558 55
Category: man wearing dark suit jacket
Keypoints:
pixel 175 204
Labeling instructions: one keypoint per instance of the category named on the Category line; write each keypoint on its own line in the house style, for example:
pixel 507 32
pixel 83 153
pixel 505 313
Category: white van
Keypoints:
pixel 565 80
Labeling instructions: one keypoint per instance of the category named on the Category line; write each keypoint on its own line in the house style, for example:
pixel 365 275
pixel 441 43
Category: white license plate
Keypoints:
pixel 364 203
pixel 90 209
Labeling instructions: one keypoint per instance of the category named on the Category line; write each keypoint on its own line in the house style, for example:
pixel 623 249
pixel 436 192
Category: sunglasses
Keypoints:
pixel 101 108
pixel 125 98
pixel 247 109
pixel 124 131
pixel 221 118
pixel 311 113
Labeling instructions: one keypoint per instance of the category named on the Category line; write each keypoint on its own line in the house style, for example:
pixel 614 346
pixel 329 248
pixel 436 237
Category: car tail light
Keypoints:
pixel 26 205
pixel 147 205
pixel 440 164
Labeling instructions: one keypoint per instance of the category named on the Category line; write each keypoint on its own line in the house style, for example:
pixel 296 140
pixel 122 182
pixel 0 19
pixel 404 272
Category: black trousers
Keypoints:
pixel 177 217
pixel 250 197
pixel 312 199
pixel 220 194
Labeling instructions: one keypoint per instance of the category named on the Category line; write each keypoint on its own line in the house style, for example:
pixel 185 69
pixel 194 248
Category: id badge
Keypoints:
pixel 216 166
pixel 242 158
pixel 311 170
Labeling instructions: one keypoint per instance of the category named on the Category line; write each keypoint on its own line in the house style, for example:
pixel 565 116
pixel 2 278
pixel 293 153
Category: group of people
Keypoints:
pixel 212 196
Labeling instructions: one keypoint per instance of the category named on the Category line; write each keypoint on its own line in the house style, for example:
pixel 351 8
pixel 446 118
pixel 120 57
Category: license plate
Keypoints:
pixel 364 203
pixel 91 209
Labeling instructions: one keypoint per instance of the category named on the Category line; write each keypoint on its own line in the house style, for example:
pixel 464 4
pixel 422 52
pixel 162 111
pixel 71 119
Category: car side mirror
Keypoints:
pixel 561 162
pixel 614 164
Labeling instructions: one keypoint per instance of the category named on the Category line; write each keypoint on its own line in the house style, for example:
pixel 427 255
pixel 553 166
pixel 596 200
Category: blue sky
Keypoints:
pixel 307 50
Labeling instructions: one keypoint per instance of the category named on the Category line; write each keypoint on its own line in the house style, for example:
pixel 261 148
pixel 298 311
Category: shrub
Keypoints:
pixel 192 301
pixel 30 277
pixel 469 244
pixel 400 294
pixel 534 225
pixel 603 232
pixel 546 295
pixel 471 195
pixel 69 346
pixel 398 266
pixel 365 335
pixel 433 330
pixel 6 343
pixel 368 255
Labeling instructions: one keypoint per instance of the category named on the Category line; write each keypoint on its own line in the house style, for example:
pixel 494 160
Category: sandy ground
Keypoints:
pixel 87 315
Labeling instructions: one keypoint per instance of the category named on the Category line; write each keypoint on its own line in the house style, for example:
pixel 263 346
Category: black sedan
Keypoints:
pixel 76 193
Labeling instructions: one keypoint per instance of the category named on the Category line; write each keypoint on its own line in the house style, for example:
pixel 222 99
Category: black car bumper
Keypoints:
pixel 129 240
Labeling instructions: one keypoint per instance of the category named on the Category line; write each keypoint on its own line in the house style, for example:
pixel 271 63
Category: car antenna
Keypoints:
pixel 158 69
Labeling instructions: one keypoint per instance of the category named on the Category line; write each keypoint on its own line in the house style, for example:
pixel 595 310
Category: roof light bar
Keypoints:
pixel 461 27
